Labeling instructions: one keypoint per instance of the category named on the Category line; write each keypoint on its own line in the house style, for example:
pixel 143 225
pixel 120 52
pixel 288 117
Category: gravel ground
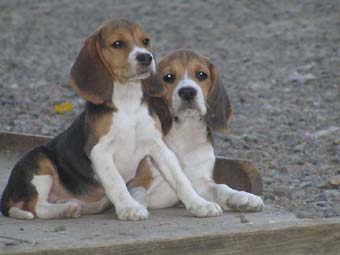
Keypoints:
pixel 280 61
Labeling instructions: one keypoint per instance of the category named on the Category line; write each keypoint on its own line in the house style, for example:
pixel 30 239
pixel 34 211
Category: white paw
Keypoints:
pixel 244 201
pixel 72 210
pixel 205 209
pixel 136 212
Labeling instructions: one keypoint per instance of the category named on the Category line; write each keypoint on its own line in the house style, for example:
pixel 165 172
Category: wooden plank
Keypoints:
pixel 18 142
pixel 239 174
pixel 322 237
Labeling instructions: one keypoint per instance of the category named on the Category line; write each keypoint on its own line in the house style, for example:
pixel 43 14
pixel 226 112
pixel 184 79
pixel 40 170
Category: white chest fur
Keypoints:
pixel 188 140
pixel 128 97
pixel 132 128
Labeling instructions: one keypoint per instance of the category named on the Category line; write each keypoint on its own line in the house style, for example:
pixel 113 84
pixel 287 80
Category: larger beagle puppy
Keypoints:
pixel 198 105
pixel 85 169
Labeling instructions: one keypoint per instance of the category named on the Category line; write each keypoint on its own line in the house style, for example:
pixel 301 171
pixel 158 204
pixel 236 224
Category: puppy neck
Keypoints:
pixel 192 125
pixel 128 96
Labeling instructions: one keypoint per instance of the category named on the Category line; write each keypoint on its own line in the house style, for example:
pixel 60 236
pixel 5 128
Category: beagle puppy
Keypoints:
pixel 85 169
pixel 198 105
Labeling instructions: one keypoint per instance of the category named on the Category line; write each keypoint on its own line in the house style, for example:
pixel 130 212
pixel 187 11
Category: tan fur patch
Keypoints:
pixel 45 166
pixel 143 176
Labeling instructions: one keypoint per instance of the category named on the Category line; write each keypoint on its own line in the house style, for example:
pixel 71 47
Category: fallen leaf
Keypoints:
pixel 63 107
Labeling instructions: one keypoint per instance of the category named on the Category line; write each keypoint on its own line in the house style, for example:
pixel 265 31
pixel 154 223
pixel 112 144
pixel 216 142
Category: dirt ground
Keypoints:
pixel 280 61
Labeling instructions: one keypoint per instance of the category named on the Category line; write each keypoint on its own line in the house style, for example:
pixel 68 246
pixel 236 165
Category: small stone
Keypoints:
pixel 269 196
pixel 307 67
pixel 242 100
pixel 332 195
pixel 300 78
pixel 59 229
pixel 11 244
pixel 250 138
pixel 14 86
pixel 299 147
pixel 321 204
pixel 304 215
pixel 334 182
pixel 330 213
pixel 321 185
pixel 305 184
pixel 243 218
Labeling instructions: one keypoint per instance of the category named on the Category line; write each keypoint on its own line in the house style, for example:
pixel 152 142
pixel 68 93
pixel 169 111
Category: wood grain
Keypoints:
pixel 307 239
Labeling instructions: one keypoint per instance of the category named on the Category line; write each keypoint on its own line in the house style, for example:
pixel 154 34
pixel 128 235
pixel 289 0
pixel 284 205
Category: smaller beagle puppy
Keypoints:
pixel 85 169
pixel 198 105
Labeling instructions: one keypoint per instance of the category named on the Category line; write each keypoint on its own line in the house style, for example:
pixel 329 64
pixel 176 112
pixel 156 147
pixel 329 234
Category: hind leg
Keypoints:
pixel 149 187
pixel 46 210
pixel 27 192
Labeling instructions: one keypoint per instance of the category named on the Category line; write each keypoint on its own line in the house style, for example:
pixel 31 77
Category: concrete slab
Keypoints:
pixel 168 231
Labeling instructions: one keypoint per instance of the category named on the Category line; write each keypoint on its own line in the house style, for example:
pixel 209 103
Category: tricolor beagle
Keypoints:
pixel 85 169
pixel 198 105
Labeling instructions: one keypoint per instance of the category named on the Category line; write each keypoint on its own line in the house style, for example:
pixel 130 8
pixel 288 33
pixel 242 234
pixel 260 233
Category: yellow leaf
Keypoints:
pixel 63 107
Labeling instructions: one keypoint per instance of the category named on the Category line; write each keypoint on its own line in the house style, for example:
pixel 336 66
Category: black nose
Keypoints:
pixel 144 59
pixel 187 93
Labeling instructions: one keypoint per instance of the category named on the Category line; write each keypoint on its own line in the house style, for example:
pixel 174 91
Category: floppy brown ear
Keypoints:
pixel 160 107
pixel 89 76
pixel 219 107
pixel 152 86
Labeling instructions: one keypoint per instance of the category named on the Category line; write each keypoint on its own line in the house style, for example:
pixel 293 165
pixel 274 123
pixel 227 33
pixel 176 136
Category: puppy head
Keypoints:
pixel 192 89
pixel 118 51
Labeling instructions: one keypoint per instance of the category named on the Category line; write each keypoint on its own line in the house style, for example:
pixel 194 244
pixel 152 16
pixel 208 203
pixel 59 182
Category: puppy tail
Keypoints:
pixel 18 213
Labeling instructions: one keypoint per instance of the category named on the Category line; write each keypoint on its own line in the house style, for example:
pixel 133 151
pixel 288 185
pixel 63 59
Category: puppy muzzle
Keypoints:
pixel 142 63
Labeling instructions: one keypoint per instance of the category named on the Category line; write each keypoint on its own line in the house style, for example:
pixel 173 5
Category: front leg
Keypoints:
pixel 169 167
pixel 127 208
pixel 227 197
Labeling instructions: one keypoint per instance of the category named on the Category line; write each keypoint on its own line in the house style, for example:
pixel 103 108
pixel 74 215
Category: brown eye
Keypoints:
pixel 169 78
pixel 201 76
pixel 118 44
pixel 146 42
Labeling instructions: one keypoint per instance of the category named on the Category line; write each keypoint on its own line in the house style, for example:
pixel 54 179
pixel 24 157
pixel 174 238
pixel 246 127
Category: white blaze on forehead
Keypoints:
pixel 199 99
pixel 133 61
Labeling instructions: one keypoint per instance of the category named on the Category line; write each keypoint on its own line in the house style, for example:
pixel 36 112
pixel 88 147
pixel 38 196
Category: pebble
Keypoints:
pixel 305 215
pixel 306 184
pixel 321 185
pixel 334 182
pixel 332 195
pixel 299 147
pixel 321 204
pixel 330 213
pixel 300 78
pixel 243 218
pixel 307 67
pixel 269 195
pixel 323 132
pixel 59 229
